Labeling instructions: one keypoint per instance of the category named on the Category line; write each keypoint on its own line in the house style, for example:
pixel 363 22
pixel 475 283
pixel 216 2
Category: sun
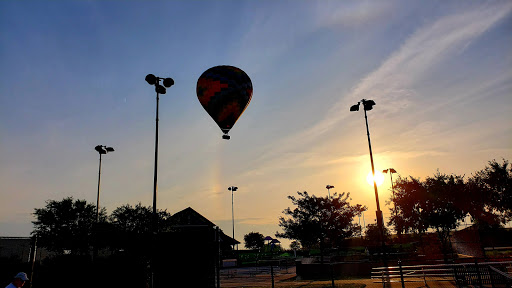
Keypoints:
pixel 379 178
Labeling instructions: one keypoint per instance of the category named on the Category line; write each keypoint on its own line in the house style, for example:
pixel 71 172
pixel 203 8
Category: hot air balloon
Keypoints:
pixel 224 91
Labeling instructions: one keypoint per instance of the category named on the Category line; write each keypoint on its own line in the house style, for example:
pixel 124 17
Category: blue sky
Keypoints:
pixel 72 77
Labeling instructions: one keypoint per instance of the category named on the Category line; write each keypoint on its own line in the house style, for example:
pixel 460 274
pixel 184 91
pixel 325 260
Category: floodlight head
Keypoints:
pixel 354 107
pixel 391 170
pixel 100 149
pixel 151 79
pixel 368 104
pixel 168 82
pixel 385 171
pixel 329 186
pixel 109 149
pixel 160 89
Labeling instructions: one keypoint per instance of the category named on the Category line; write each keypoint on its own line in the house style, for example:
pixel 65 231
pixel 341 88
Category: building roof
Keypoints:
pixel 190 217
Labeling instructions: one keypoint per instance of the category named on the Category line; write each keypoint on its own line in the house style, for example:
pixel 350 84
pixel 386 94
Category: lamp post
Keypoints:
pixel 233 189
pixel 367 106
pixel 391 171
pixel 102 149
pixel 328 188
pixel 159 89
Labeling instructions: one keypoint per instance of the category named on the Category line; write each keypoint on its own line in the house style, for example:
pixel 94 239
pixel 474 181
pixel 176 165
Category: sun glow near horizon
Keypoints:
pixel 379 178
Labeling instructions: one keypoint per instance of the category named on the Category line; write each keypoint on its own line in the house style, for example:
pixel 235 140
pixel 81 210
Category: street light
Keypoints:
pixel 391 171
pixel 328 188
pixel 102 149
pixel 367 106
pixel 159 89
pixel 233 189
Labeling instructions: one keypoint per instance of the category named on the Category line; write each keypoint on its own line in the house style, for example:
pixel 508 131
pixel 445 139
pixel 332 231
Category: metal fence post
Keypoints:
pixel 490 275
pixel 272 272
pixel 401 273
pixel 424 277
pixel 332 275
pixel 478 273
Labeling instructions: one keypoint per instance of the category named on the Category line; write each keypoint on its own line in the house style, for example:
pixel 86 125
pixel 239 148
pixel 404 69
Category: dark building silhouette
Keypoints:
pixel 191 253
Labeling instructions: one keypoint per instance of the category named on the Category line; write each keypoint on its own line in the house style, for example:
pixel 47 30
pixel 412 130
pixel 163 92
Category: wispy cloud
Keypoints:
pixel 395 78
pixel 425 49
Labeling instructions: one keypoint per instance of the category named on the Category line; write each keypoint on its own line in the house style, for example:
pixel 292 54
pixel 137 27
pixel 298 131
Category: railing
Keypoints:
pixel 499 278
pixel 483 274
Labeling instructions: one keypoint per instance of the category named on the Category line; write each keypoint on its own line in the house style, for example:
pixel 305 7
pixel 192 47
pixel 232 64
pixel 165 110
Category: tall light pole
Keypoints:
pixel 233 189
pixel 159 89
pixel 102 149
pixel 367 106
pixel 391 171
pixel 328 188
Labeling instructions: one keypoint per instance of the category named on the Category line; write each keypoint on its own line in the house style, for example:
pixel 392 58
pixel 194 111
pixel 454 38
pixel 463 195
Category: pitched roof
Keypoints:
pixel 190 217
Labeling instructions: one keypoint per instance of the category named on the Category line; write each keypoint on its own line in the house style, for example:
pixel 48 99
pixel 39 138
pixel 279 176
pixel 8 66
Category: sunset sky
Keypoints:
pixel 72 77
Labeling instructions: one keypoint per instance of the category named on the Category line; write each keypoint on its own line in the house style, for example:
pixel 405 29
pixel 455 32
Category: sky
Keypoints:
pixel 72 77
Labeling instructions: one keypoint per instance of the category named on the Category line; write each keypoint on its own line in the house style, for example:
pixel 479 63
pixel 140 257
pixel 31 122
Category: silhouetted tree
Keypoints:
pixel 434 203
pixel 372 235
pixel 489 195
pixel 320 220
pixel 132 225
pixel 443 211
pixel 66 225
pixel 408 213
pixel 254 240
pixel 295 245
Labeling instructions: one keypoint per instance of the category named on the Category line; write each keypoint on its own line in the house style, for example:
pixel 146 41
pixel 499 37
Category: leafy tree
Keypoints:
pixel 66 225
pixel 372 236
pixel 133 224
pixel 320 220
pixel 407 214
pixel 254 240
pixel 295 245
pixel 489 195
pixel 434 203
pixel 443 209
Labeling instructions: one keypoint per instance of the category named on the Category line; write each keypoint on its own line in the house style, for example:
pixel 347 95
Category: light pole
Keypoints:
pixel 391 171
pixel 159 89
pixel 367 106
pixel 328 188
pixel 233 189
pixel 102 149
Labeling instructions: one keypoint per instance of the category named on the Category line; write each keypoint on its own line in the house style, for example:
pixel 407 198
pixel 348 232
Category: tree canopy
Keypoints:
pixel 433 203
pixel 66 225
pixel 71 225
pixel 489 195
pixel 254 240
pixel 320 220
pixel 441 201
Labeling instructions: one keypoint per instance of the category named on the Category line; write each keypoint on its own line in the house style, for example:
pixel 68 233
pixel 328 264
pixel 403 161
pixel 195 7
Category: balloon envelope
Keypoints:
pixel 224 92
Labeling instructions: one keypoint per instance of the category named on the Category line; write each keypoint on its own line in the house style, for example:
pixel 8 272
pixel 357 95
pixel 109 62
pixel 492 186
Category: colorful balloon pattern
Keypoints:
pixel 225 92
